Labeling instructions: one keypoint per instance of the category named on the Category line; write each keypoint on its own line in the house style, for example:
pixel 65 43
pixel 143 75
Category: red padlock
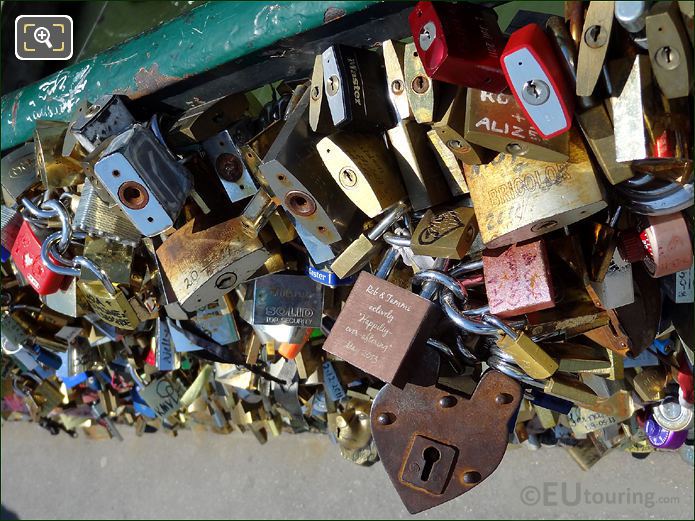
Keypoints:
pixel 459 44
pixel 662 243
pixel 26 253
pixel 537 81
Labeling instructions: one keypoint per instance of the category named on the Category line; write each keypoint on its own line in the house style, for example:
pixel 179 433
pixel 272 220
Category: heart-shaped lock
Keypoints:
pixel 436 444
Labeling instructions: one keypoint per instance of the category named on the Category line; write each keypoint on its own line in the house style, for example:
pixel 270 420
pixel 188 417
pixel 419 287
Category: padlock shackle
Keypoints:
pixel 440 278
pixel 390 217
pixel 446 300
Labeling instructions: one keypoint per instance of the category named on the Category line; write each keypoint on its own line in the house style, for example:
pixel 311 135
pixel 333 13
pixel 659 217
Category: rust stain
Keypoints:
pixel 150 80
pixel 15 108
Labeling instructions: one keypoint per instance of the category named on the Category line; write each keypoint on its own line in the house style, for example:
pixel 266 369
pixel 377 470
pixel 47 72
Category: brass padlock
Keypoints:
pixel 423 180
pixel 319 112
pixel 364 170
pixel 394 57
pixel 516 198
pixel 594 45
pixel 55 170
pixel 207 257
pixel 495 121
pixel 449 164
pixel 446 234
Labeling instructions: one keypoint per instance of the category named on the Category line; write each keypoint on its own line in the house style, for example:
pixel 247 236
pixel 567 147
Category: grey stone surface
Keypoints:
pixel 202 475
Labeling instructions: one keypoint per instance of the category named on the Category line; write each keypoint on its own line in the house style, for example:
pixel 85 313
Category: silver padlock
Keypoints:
pixel 292 300
pixel 226 159
pixel 144 179
pixel 107 117
pixel 617 288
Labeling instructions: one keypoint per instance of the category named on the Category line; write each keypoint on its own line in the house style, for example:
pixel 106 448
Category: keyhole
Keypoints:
pixel 333 85
pixel 431 456
pixel 596 36
pixel 420 84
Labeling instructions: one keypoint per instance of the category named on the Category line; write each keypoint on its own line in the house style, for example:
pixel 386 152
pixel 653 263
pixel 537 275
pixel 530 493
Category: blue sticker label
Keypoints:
pixel 328 278
pixel 331 383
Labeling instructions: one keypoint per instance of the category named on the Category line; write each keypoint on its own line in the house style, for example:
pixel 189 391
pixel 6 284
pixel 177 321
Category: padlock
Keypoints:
pixel 448 163
pixel 580 358
pixel 226 157
pixel 451 128
pixel 459 44
pixel 381 328
pixel 593 46
pixel 364 170
pixel 423 180
pixel 425 95
pixel 358 253
pixel 631 15
pixel 603 243
pixel 644 129
pixel 671 415
pixel 393 52
pixel 516 198
pixel 530 357
pixel 448 234
pixel 354 84
pixel 670 51
pixel 496 122
pixel 143 179
pixel 107 116
pixel 202 122
pixel 99 218
pixel 650 383
pixel 292 300
pixel 19 175
pixel 662 243
pixel 662 438
pixel 436 457
pixel 11 224
pixel 617 288
pixel 537 81
pixel 26 254
pixel 55 170
pixel 518 279
pixel 293 170
pixel 320 119
pixel 207 257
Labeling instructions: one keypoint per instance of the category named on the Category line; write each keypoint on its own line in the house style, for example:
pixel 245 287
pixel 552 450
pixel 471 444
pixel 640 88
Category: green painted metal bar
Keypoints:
pixel 205 37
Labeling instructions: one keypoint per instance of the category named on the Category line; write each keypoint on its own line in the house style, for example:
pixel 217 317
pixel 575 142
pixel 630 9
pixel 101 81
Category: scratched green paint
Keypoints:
pixel 199 40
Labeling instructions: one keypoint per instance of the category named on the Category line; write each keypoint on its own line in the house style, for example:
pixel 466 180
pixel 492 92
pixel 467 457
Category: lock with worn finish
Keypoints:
pixel 424 94
pixel 448 163
pixel 662 243
pixel 381 329
pixel 445 234
pixel 354 84
pixel 19 176
pixel 537 81
pixel 517 198
pixel 144 179
pixel 208 257
pixel 226 157
pixel 295 173
pixel 394 53
pixel 518 279
pixel 364 170
pixel 436 457
pixel 107 117
pixel 358 253
pixel 593 46
pixel 99 218
pixel 55 170
pixel 670 51
pixel 319 113
pixel 496 122
pixel 207 119
pixel 423 180
pixel 459 44
pixel 11 224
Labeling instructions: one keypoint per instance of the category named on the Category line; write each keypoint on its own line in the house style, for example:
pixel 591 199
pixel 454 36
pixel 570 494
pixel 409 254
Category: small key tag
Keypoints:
pixel 434 457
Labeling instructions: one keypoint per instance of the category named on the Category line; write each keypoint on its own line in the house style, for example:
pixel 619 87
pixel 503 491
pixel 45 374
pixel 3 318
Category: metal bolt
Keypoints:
pixel 446 402
pixel 91 111
pixel 596 36
pixel 472 477
pixel 515 149
pixel 333 85
pixel 229 167
pixel 385 418
pixel 347 177
pixel 420 84
pixel 667 58
pixel 503 399
pixel 535 92
pixel 300 203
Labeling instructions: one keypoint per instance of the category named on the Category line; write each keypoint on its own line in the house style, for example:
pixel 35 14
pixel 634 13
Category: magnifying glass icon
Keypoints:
pixel 43 35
